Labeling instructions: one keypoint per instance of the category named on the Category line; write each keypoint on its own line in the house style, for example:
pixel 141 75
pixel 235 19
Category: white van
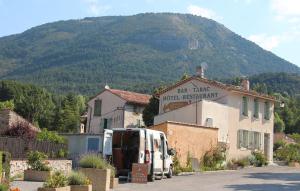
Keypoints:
pixel 126 146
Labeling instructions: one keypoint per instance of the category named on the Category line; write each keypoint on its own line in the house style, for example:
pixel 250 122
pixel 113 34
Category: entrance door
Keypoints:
pixel 267 145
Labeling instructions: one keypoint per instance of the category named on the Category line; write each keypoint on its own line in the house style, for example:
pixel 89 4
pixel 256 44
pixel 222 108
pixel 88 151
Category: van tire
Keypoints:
pixel 151 178
pixel 170 173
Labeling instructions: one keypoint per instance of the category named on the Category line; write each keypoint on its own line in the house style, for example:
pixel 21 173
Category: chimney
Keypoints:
pixel 200 71
pixel 245 84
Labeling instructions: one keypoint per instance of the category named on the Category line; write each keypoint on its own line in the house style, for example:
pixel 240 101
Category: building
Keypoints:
pixel 115 109
pixel 244 118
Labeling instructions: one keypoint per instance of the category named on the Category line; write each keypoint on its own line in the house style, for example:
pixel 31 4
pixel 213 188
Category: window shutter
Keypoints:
pixel 245 106
pixel 256 108
pixel 267 110
pixel 97 107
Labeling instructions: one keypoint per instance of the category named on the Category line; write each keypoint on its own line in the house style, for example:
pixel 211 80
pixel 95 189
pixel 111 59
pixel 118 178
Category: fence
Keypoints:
pixel 18 147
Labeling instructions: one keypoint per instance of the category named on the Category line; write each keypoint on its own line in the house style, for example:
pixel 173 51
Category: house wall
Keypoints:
pixel 8 118
pixel 225 108
pixel 112 108
pixel 133 115
pixel 188 138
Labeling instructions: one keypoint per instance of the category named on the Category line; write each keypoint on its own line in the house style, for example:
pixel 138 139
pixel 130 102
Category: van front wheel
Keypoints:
pixel 170 173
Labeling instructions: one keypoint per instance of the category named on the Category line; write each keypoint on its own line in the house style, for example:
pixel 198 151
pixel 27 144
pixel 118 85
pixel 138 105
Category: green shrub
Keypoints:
pixel 213 160
pixel 234 164
pixel 288 153
pixel 258 159
pixel 176 165
pixel 278 145
pixel 56 180
pixel 50 136
pixel 3 187
pixel 62 153
pixel 78 178
pixel 296 137
pixel 36 161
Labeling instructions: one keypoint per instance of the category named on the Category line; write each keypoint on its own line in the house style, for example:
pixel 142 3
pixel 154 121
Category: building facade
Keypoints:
pixel 115 109
pixel 244 118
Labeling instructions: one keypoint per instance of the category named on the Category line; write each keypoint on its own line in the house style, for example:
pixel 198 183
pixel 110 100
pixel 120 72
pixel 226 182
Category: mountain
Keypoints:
pixel 287 84
pixel 131 52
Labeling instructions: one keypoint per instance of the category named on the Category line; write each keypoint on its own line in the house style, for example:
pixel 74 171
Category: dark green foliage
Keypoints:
pixel 130 52
pixel 7 105
pixel 278 123
pixel 150 111
pixel 50 136
pixel 288 153
pixel 258 159
pixel 3 187
pixel 36 161
pixel 46 110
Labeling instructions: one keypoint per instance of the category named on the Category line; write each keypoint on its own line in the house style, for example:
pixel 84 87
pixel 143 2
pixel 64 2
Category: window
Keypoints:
pixel 105 123
pixel 256 108
pixel 93 144
pixel 97 107
pixel 245 106
pixel 267 110
pixel 249 139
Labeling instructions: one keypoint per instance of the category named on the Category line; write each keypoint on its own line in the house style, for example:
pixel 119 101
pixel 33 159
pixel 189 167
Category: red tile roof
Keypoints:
pixel 132 97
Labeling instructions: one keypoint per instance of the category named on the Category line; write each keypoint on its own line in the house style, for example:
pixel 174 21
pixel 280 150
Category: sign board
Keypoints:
pixel 139 173
pixel 187 93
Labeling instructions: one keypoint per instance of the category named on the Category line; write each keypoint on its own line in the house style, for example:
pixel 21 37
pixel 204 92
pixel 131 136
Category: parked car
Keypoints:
pixel 126 146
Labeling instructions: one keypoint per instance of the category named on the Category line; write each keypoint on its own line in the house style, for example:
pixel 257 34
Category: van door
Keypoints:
pixel 107 143
pixel 142 146
pixel 158 153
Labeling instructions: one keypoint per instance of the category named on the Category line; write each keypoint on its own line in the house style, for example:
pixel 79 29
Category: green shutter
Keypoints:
pixel 97 107
pixel 256 108
pixel 267 110
pixel 245 106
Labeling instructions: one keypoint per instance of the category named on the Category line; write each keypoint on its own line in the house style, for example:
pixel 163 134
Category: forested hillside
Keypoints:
pixel 130 52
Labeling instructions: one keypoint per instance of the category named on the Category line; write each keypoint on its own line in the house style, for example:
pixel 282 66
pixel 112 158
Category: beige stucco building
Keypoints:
pixel 244 118
pixel 115 109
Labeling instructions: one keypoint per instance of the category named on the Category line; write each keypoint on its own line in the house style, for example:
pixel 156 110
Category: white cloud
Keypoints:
pixel 203 12
pixel 244 1
pixel 95 7
pixel 265 41
pixel 269 42
pixel 286 10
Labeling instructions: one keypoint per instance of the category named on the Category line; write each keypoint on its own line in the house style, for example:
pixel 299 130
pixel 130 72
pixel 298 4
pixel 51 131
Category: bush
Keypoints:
pixel 258 159
pixel 22 130
pixel 234 164
pixel 288 153
pixel 6 157
pixel 177 168
pixel 212 160
pixel 36 161
pixel 56 180
pixel 93 161
pixel 3 187
pixel 278 145
pixel 78 178
pixel 50 136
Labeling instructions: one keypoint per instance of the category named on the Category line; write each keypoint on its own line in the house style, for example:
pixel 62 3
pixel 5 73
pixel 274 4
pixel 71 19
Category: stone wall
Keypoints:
pixel 8 117
pixel 18 166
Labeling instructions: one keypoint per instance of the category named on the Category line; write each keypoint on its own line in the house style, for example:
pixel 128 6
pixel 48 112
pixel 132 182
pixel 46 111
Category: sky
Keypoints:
pixel 272 24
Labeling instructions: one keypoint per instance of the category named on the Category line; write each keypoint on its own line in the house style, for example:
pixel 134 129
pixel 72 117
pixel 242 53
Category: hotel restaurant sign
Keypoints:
pixel 188 93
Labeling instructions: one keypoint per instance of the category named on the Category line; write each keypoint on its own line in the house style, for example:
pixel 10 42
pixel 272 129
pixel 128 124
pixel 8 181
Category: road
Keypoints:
pixel 255 179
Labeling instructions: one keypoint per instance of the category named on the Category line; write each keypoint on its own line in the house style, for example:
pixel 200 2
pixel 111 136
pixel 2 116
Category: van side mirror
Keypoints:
pixel 171 152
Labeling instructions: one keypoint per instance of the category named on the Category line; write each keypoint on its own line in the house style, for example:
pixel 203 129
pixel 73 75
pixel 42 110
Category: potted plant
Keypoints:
pixel 97 171
pixel 56 182
pixel 38 170
pixel 79 182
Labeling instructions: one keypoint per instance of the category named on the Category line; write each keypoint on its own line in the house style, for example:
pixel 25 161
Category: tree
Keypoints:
pixel 7 105
pixel 279 125
pixel 150 111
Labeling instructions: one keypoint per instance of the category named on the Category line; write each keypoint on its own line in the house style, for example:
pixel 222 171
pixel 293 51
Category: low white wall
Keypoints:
pixel 18 166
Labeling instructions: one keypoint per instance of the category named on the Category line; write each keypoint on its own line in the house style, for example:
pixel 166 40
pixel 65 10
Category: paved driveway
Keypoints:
pixel 254 179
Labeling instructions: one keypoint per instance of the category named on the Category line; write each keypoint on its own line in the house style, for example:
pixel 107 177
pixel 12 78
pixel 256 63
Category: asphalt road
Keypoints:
pixel 255 179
